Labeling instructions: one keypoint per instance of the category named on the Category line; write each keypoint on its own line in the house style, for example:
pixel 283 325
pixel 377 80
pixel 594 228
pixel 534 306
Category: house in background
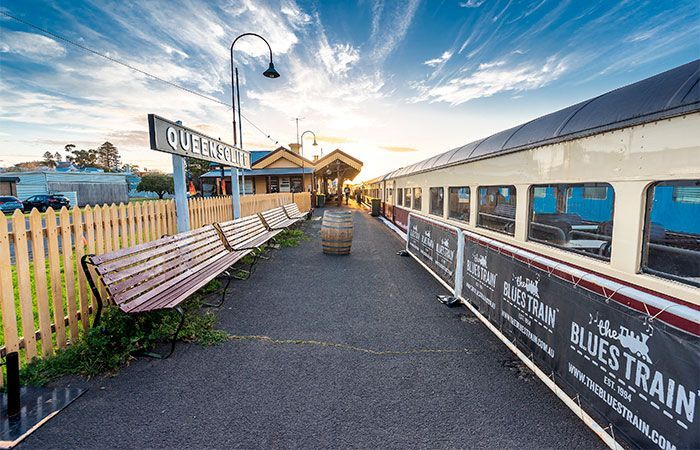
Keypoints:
pixel 81 188
pixel 8 185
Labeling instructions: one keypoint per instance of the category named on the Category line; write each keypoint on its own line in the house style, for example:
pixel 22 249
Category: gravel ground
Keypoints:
pixel 328 351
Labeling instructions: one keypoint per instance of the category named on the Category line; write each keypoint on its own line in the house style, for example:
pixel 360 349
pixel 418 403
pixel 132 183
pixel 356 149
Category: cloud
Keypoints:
pixel 471 3
pixel 334 139
pixel 490 79
pixel 399 149
pixel 30 45
pixel 395 30
pixel 439 60
pixel 338 58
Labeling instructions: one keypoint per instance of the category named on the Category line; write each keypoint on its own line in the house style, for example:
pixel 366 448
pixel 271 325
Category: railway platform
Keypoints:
pixel 328 351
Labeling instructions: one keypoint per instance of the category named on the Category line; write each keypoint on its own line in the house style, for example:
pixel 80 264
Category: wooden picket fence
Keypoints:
pixel 45 301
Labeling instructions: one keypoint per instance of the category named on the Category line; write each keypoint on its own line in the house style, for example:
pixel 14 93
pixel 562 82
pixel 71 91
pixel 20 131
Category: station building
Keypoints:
pixel 286 170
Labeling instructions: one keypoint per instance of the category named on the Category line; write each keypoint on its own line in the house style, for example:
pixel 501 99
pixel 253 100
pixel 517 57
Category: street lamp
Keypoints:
pixel 302 156
pixel 235 91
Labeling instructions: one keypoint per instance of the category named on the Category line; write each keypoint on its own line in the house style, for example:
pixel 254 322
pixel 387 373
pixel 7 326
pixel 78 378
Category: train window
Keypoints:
pixel 458 203
pixel 497 208
pixel 672 231
pixel 390 194
pixel 437 201
pixel 574 217
pixel 417 198
pixel 399 196
pixel 407 197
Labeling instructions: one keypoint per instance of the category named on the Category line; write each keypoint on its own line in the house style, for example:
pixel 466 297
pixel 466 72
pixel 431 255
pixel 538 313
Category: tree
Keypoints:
pixel 57 157
pixel 108 157
pixel 83 158
pixel 197 168
pixel 48 159
pixel 159 183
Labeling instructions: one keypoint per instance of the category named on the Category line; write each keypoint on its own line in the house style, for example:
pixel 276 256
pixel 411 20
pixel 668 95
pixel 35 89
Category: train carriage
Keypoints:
pixel 604 195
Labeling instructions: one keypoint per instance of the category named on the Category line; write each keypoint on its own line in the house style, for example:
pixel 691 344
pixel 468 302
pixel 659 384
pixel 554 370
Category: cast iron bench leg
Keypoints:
pixel 223 293
pixel 177 332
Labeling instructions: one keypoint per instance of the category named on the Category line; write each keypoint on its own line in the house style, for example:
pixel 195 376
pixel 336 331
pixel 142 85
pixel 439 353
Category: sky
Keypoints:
pixel 391 82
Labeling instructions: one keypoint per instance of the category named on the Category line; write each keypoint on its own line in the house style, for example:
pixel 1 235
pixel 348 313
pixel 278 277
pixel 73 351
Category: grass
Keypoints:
pixel 290 238
pixel 112 344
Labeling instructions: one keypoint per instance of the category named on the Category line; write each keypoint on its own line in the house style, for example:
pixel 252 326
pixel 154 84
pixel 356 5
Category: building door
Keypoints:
pixel 285 184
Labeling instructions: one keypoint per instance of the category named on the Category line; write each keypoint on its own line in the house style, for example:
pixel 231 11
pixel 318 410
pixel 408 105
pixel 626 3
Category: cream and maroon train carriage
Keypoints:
pixel 592 212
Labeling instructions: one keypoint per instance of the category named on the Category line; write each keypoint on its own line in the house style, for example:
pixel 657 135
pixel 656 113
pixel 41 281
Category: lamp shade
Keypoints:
pixel 271 72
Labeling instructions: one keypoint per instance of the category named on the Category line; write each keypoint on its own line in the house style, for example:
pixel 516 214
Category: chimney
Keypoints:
pixel 295 148
pixel 315 158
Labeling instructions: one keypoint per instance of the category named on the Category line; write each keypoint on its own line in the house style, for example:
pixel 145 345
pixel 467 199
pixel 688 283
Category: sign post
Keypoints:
pixel 180 141
pixel 183 220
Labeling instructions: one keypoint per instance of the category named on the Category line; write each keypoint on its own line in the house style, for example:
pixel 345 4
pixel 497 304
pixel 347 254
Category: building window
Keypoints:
pixel 497 208
pixel 458 203
pixel 417 198
pixel 399 196
pixel 297 184
pixel 437 201
pixel 672 231
pixel 574 217
pixel 407 197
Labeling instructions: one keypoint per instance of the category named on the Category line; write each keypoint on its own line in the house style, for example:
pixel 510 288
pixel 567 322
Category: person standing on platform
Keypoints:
pixel 346 191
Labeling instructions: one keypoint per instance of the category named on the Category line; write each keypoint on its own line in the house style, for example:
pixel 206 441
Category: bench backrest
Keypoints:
pixel 138 274
pixel 292 210
pixel 240 231
pixel 274 217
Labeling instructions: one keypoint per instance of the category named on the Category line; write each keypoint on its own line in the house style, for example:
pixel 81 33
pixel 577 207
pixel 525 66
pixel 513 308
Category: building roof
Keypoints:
pixel 256 172
pixel 668 94
pixel 281 150
pixel 257 155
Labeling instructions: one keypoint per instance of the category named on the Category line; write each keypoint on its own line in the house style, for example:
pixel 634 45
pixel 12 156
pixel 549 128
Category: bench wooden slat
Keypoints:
pixel 106 257
pixel 138 274
pixel 173 296
pixel 163 245
pixel 151 276
pixel 180 276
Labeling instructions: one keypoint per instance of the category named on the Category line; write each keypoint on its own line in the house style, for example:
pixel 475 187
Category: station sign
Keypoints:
pixel 170 137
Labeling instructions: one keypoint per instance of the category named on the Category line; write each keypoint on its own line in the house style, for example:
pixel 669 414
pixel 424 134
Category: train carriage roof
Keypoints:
pixel 668 94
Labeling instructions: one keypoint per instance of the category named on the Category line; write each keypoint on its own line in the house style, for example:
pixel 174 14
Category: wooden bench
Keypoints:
pixel 293 212
pixel 246 234
pixel 276 219
pixel 160 274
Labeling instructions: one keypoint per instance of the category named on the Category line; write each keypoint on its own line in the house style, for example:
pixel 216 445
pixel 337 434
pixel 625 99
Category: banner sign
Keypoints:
pixel 640 375
pixel 401 218
pixel 435 245
pixel 169 137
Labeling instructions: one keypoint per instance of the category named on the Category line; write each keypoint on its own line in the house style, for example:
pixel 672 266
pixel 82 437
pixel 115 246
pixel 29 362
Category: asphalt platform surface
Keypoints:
pixel 337 351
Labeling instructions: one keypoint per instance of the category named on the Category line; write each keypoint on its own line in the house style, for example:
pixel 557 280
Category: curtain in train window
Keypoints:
pixel 672 231
pixel 407 197
pixel 437 201
pixel 573 217
pixel 458 203
pixel 497 208
pixel 417 198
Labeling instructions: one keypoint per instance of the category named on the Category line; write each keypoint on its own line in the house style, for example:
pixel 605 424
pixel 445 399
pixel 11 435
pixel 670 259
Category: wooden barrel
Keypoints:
pixel 336 232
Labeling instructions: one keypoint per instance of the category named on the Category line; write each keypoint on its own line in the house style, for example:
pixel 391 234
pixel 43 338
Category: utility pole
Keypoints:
pixel 297 119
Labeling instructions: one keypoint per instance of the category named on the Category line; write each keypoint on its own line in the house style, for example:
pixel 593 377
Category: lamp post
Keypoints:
pixel 235 96
pixel 302 156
